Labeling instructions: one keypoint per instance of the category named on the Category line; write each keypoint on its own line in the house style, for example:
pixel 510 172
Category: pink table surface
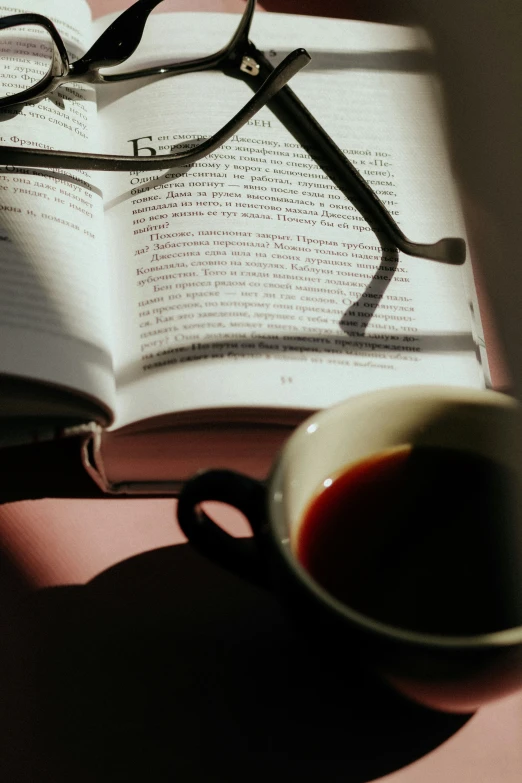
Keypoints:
pixel 125 657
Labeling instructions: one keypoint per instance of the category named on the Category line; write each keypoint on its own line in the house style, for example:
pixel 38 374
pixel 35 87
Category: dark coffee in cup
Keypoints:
pixel 391 528
pixel 415 537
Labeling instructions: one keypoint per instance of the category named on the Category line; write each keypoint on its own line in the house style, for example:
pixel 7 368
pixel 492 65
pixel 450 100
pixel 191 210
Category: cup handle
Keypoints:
pixel 241 556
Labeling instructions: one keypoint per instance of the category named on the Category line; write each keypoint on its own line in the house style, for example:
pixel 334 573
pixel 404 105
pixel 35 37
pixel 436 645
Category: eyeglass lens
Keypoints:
pixel 25 58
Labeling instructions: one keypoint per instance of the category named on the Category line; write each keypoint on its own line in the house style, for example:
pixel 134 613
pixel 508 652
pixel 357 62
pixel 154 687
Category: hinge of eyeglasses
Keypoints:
pixel 249 65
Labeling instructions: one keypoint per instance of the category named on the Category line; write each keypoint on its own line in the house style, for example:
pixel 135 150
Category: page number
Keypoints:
pixel 286 379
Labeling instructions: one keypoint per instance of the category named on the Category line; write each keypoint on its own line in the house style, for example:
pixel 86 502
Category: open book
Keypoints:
pixel 194 316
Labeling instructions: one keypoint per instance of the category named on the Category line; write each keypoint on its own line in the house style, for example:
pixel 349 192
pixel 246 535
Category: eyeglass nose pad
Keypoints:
pixel 249 65
pixel 120 39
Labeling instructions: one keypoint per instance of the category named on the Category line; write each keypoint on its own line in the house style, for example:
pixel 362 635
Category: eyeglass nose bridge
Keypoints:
pixel 122 37
pixel 118 42
pixel 238 50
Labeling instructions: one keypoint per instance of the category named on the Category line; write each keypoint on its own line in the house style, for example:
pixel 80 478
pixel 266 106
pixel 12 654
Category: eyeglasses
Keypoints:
pixel 239 59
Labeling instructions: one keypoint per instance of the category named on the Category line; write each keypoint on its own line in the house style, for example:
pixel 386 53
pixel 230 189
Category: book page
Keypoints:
pixel 54 324
pixel 248 280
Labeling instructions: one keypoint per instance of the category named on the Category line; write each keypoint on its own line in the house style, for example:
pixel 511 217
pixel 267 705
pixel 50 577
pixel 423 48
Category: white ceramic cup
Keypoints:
pixel 455 671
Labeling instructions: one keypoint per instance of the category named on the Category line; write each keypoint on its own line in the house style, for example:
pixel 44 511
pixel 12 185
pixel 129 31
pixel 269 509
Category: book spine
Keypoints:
pixel 13 436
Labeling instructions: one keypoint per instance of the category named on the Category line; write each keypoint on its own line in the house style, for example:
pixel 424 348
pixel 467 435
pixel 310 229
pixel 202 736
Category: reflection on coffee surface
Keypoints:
pixel 420 538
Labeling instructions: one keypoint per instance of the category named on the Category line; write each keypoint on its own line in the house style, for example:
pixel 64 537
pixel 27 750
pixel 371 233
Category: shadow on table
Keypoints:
pixel 166 668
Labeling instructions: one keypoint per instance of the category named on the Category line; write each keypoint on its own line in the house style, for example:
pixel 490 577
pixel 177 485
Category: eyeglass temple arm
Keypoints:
pixel 278 77
pixel 309 133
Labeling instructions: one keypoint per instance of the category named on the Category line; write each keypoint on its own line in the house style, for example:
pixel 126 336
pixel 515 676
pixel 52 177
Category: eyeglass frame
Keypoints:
pixel 240 59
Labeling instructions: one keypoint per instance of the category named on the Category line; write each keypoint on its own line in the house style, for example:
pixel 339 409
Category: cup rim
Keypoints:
pixel 492 639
